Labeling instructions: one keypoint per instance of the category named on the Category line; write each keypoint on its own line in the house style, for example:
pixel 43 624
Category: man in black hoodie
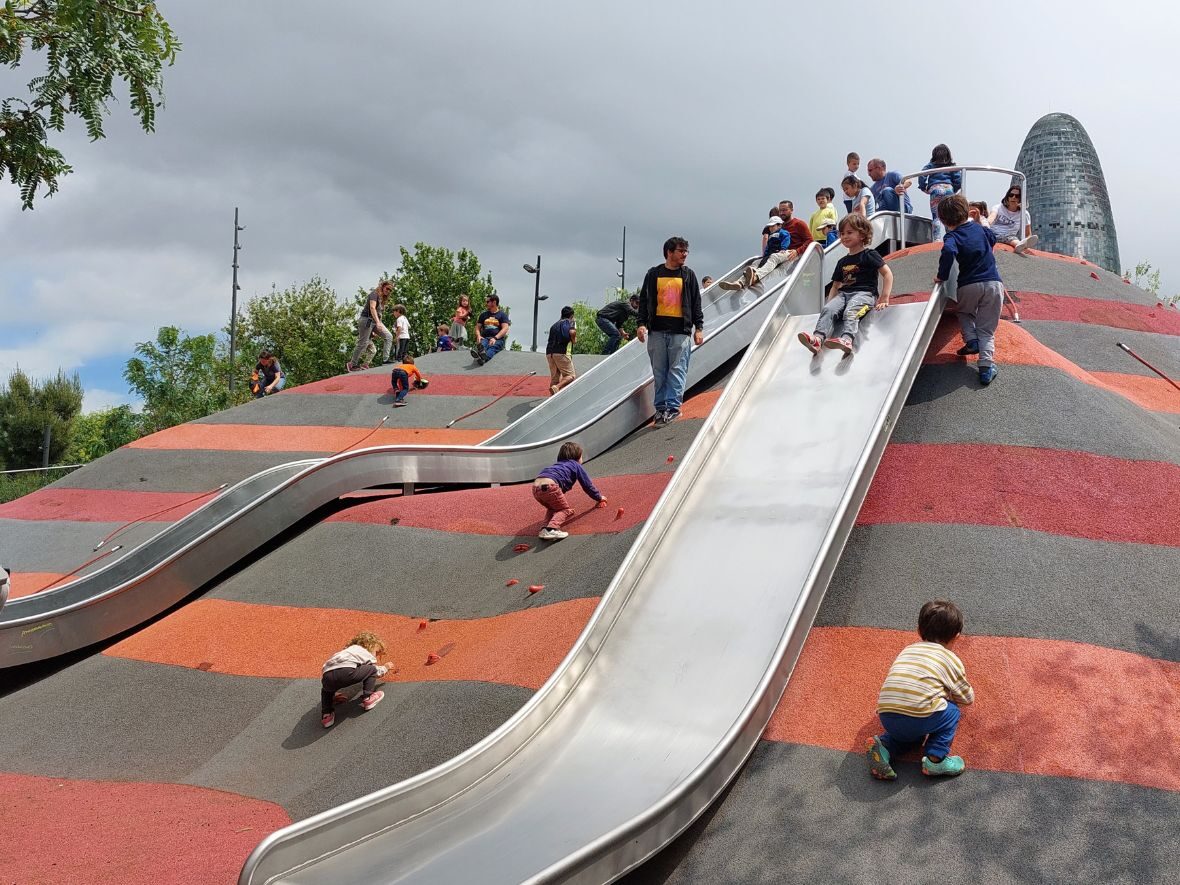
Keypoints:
pixel 669 311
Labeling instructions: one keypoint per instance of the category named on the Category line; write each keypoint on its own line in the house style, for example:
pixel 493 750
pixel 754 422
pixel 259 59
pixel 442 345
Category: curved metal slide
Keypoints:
pixel 601 407
pixel 673 680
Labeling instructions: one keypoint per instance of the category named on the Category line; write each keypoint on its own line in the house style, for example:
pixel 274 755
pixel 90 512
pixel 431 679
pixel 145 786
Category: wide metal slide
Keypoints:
pixel 600 408
pixel 668 688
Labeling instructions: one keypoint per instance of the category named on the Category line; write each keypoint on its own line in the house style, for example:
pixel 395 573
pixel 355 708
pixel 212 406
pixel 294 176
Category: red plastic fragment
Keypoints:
pixel 1125 280
pixel 432 658
pixel 619 515
pixel 1094 275
pixel 512 582
pixel 671 458
pixel 422 625
pixel 521 548
pixel 536 588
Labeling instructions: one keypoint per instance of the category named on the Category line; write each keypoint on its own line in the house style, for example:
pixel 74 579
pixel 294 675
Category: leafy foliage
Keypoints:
pixel 590 337
pixel 307 327
pixel 98 433
pixel 87 45
pixel 17 485
pixel 429 282
pixel 180 378
pixel 1144 276
pixel 27 408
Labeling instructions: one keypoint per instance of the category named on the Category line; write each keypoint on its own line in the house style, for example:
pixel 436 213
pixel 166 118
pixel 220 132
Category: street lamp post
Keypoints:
pixel 537 296
pixel 622 274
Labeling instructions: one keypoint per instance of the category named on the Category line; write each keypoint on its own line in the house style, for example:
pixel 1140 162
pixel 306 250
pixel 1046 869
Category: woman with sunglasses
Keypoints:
pixel 1009 220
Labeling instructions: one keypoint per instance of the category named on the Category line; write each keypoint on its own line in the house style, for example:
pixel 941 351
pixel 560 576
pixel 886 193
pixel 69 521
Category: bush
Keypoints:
pixel 97 433
pixel 27 408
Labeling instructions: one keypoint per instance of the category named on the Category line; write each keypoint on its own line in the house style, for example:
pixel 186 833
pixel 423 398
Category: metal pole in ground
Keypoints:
pixel 233 310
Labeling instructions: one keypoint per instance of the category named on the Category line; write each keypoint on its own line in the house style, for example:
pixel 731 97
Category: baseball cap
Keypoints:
pixel 828 222
pixel 774 219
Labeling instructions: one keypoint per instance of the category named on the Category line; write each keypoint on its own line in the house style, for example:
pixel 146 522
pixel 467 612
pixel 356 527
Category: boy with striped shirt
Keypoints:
pixel 920 697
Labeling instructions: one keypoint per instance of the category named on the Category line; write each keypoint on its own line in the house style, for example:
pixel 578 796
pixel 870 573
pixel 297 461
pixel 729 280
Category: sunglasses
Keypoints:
pixel 1010 196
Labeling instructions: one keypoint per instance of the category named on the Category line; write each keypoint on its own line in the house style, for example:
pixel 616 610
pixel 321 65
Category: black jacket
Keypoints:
pixel 690 303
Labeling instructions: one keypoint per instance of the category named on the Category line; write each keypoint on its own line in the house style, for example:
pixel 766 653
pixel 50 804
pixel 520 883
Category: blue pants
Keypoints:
pixel 938 193
pixel 401 384
pixel 492 346
pixel 613 336
pixel 903 733
pixel 669 353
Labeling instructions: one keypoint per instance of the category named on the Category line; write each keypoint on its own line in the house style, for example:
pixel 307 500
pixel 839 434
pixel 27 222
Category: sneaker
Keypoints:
pixel 843 343
pixel 811 342
pixel 328 720
pixel 751 277
pixel 400 403
pixel 879 765
pixel 948 767
pixel 971 347
pixel 661 418
pixel 548 534
pixel 553 390
pixel 388 362
pixel 987 375
pixel 671 415
pixel 731 285
pixel 1026 243
pixel 372 700
pixel 349 367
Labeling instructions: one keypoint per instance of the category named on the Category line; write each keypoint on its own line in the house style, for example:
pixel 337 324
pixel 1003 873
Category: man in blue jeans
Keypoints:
pixel 611 319
pixel 491 331
pixel 670 311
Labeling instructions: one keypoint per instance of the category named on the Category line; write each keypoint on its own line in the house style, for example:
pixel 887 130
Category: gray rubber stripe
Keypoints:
pixel 810 815
pixel 947 405
pixel 1095 349
pixel 251 736
pixel 62 545
pixel 179 470
pixel 1010 582
pixel 425 573
pixel 507 362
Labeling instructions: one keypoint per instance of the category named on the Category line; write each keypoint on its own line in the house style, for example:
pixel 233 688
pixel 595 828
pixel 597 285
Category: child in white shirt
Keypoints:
pixel 356 663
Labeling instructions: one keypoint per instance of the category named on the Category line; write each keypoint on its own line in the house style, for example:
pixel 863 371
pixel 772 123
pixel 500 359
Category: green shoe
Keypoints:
pixel 879 761
pixel 949 766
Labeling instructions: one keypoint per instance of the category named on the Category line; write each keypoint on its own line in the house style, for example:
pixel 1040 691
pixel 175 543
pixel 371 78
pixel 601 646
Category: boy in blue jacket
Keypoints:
pixel 981 291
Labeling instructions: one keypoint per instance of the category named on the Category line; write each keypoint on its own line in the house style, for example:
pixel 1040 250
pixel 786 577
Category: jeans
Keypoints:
pixel 403 345
pixel 364 331
pixel 846 308
pixel 612 333
pixel 279 385
pixel 937 192
pixel 342 677
pixel 401 384
pixel 979 309
pixel 669 353
pixel 491 346
pixel 903 733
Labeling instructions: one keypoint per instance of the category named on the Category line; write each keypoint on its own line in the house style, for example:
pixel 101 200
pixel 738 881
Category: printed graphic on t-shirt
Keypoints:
pixel 669 294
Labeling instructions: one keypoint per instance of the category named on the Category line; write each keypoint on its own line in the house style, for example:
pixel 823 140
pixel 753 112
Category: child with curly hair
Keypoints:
pixel 356 663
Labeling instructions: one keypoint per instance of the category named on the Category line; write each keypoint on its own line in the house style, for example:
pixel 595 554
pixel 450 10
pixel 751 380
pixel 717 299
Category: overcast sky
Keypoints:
pixel 343 131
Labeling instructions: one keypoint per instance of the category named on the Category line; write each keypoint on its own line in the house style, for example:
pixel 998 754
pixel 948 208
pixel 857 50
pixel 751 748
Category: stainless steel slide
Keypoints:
pixel 668 688
pixel 599 408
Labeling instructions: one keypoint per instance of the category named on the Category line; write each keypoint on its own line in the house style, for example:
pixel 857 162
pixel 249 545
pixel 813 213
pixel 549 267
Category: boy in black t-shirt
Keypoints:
pixel 854 288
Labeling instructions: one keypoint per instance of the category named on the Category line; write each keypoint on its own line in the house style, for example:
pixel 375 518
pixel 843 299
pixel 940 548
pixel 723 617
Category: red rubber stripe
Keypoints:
pixel 1046 707
pixel 467 384
pixel 511 510
pixel 1047 490
pixel 112 833
pixel 99 505
pixel 220 636
pixel 299 438
pixel 1093 311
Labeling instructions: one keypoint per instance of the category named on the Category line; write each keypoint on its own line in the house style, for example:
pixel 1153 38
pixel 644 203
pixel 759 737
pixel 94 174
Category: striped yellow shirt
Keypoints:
pixel 921 680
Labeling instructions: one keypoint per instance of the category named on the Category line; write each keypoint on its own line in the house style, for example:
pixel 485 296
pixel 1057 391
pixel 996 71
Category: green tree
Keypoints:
pixel 87 45
pixel 429 283
pixel 307 327
pixel 27 408
pixel 180 378
pixel 97 433
pixel 1144 276
pixel 590 337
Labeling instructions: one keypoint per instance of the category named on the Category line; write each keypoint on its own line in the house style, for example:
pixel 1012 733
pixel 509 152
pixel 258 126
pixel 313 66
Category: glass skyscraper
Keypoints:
pixel 1070 207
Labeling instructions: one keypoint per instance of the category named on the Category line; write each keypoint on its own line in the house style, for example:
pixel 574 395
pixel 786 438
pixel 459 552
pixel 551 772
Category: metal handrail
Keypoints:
pixel 1024 201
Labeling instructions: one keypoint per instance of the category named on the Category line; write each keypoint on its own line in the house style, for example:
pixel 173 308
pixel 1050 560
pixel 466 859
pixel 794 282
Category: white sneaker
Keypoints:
pixel 1026 243
pixel 548 534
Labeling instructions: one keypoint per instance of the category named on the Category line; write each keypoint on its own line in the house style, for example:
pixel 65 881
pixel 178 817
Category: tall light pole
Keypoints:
pixel 622 274
pixel 233 310
pixel 537 296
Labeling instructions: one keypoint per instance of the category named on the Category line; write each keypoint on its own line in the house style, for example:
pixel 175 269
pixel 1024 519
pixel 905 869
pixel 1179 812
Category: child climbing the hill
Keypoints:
pixel 356 663
pixel 552 483
pixel 853 290
pixel 981 291
pixel 919 699
pixel 400 379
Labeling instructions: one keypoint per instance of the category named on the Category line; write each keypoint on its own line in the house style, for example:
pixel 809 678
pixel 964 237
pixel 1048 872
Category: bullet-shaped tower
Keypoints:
pixel 1070 206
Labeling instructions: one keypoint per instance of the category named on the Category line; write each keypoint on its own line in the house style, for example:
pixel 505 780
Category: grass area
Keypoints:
pixel 14 485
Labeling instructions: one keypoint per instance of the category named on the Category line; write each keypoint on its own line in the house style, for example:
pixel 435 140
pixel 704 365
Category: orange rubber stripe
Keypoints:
pixel 300 438
pixel 701 405
pixel 27 583
pixel 1016 346
pixel 1047 707
pixel 112 833
pixel 522 648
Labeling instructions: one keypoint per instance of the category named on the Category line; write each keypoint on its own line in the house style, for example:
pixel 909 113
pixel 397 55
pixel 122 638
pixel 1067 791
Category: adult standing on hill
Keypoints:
pixel 369 322
pixel 670 306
